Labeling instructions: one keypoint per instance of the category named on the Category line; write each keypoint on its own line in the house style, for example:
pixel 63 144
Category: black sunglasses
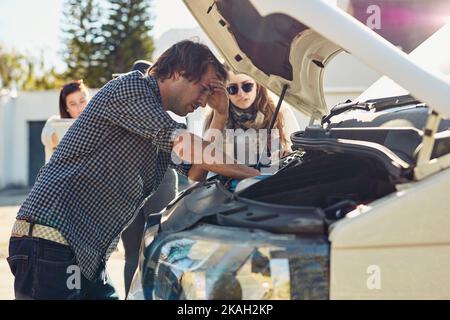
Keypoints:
pixel 234 88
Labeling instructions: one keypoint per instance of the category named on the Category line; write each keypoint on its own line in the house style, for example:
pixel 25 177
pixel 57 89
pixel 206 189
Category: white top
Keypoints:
pixel 54 125
pixel 290 122
pixel 247 146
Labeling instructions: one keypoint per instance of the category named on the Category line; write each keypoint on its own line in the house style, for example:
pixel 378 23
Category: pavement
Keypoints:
pixel 10 201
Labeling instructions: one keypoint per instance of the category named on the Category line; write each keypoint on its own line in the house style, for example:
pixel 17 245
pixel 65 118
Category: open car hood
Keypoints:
pixel 290 42
pixel 274 49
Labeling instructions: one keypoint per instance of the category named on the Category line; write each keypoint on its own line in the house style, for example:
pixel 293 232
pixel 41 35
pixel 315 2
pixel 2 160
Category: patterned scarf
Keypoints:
pixel 250 118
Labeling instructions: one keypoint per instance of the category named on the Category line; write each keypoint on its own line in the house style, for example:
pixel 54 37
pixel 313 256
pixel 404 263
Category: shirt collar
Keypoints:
pixel 153 83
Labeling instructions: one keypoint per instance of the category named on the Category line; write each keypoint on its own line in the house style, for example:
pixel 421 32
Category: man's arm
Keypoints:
pixel 219 103
pixel 205 157
pixel 199 173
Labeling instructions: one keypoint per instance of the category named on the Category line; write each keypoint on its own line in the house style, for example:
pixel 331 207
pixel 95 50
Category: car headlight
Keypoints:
pixel 213 262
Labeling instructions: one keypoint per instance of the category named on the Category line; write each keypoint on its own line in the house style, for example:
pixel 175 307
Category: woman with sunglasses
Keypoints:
pixel 250 107
pixel 73 98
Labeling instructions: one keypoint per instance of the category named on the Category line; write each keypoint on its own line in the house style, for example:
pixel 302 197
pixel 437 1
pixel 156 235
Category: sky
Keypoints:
pixel 34 26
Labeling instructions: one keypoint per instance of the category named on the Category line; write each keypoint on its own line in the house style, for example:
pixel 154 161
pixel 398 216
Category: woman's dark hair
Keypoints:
pixel 67 89
pixel 190 59
pixel 141 65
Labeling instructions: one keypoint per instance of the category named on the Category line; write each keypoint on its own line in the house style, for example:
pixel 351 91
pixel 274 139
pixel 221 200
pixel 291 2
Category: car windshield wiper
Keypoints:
pixel 342 107
pixel 377 104
pixel 391 102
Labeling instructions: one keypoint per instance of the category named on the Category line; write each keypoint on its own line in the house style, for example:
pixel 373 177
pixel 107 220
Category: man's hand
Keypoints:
pixel 218 100
pixel 198 172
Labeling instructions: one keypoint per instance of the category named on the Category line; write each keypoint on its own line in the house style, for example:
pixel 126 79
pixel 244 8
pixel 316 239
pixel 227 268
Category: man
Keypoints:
pixel 110 160
pixel 166 192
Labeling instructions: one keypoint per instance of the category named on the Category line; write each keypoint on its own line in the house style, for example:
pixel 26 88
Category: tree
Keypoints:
pixel 12 67
pixel 38 77
pixel 82 28
pixel 127 34
pixel 19 71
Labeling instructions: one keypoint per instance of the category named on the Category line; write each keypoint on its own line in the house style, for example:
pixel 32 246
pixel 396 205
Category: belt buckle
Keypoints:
pixel 30 228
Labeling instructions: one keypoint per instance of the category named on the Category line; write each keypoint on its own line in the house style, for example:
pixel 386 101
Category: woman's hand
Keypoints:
pixel 285 151
pixel 54 140
pixel 218 100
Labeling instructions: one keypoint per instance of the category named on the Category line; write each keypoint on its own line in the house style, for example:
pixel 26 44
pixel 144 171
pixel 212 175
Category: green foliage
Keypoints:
pixel 39 78
pixel 101 37
pixel 127 34
pixel 102 42
pixel 26 73
pixel 11 67
pixel 83 53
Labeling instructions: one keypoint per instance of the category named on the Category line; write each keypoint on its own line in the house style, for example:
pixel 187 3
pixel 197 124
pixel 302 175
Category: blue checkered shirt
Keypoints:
pixel 112 158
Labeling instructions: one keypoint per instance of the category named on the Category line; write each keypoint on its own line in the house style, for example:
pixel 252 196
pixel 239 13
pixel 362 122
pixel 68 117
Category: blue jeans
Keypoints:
pixel 45 269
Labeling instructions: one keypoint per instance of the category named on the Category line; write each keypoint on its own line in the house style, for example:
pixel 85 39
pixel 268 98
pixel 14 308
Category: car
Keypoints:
pixel 359 210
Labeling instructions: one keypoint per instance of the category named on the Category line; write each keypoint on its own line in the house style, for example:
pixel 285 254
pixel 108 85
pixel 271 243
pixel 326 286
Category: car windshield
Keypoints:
pixel 434 54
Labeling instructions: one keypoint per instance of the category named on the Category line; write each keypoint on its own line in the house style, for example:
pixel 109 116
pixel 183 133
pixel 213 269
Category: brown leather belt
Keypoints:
pixel 21 228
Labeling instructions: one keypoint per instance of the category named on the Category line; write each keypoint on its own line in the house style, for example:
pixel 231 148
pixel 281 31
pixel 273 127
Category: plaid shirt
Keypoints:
pixel 112 158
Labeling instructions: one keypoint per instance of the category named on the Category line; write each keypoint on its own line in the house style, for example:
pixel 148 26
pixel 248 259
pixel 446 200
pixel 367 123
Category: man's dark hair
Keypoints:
pixel 190 59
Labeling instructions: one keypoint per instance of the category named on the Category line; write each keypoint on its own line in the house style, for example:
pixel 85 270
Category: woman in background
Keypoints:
pixel 73 98
pixel 250 107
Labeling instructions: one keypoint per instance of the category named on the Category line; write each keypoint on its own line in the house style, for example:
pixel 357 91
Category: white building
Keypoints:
pixel 22 116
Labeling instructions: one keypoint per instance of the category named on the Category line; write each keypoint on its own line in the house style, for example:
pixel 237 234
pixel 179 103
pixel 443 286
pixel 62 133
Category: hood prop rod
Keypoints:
pixel 272 123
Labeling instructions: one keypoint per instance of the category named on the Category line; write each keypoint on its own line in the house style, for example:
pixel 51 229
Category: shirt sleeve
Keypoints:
pixel 182 168
pixel 143 115
pixel 46 134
